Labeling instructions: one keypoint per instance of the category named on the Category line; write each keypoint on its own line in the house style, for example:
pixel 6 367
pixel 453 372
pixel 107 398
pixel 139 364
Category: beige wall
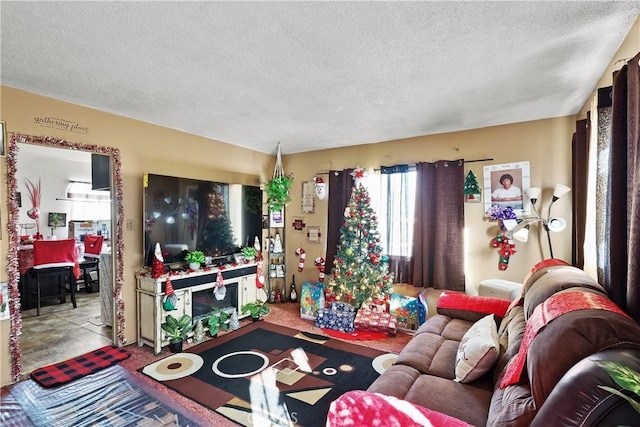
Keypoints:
pixel 144 148
pixel 531 141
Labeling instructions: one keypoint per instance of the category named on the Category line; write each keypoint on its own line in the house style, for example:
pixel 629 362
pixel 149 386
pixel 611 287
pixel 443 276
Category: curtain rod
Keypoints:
pixel 488 159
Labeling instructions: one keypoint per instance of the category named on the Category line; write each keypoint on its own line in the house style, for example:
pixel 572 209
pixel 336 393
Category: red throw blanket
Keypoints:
pixel 361 408
pixel 552 308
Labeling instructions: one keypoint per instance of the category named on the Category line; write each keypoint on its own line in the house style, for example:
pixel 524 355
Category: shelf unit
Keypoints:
pixel 276 273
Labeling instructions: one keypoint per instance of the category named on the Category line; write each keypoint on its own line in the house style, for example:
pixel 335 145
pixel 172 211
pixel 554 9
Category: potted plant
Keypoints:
pixel 249 252
pixel 217 320
pixel 176 331
pixel 277 190
pixel 194 258
pixel 257 309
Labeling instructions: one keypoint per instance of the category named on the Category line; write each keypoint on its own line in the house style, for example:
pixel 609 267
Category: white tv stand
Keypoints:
pixel 150 295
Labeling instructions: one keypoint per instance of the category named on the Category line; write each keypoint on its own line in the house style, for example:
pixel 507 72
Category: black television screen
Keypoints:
pixel 183 214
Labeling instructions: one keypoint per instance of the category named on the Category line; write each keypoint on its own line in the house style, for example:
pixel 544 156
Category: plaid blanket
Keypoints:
pixel 69 370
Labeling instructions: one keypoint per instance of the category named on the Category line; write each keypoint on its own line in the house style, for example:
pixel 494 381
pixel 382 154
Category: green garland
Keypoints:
pixel 277 190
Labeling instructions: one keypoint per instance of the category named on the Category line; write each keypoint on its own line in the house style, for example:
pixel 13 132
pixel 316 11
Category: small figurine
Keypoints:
pixel 278 296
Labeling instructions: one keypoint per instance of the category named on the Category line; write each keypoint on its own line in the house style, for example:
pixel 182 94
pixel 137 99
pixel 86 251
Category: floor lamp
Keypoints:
pixel 520 230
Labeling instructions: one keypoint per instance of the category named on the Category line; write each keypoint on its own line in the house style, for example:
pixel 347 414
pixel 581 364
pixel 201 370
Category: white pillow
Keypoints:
pixel 478 350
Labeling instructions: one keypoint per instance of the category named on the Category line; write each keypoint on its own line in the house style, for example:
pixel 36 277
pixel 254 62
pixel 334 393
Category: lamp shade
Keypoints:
pixel 557 224
pixel 560 190
pixel 522 235
pixel 534 193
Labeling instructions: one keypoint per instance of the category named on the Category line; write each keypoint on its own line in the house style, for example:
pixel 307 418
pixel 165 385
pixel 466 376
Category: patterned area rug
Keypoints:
pixel 265 373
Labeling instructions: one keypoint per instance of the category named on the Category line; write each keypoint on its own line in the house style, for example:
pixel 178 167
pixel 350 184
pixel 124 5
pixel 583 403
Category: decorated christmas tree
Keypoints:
pixel 215 234
pixel 471 187
pixel 360 272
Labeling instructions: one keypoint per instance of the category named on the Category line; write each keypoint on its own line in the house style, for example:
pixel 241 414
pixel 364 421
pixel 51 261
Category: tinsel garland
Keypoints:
pixel 14 237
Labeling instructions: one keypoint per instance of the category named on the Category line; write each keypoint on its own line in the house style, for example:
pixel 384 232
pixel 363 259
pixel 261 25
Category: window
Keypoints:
pixel 393 194
pixel 87 203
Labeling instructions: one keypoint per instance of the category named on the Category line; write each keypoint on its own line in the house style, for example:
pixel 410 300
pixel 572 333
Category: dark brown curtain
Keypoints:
pixel 622 272
pixel 580 160
pixel 340 185
pixel 437 259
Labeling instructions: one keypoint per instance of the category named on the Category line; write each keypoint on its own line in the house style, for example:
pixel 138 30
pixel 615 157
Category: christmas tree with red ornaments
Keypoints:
pixel 360 270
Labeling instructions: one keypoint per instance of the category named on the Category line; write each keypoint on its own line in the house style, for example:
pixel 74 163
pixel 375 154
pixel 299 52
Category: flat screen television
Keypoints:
pixel 183 214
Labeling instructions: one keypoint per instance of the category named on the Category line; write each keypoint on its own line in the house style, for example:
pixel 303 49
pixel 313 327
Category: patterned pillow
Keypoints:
pixel 478 350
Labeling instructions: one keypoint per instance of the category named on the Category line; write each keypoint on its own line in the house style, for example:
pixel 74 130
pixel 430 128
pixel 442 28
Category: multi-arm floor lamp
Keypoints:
pixel 520 230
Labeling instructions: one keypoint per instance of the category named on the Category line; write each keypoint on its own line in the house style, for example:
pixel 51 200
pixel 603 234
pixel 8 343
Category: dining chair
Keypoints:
pixel 55 259
pixel 90 272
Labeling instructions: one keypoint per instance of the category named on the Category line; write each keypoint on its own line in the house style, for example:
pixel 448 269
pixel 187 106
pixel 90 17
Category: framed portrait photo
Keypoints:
pixel 506 185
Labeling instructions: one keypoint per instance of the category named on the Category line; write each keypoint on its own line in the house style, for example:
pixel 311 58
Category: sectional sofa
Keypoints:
pixel 568 325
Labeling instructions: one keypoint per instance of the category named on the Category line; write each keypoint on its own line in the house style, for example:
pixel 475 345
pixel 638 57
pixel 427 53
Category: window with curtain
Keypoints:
pixel 393 195
pixel 87 203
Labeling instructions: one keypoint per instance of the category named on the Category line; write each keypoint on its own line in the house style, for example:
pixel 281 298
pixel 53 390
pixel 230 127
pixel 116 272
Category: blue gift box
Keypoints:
pixel 340 317
pixel 410 312
pixel 311 299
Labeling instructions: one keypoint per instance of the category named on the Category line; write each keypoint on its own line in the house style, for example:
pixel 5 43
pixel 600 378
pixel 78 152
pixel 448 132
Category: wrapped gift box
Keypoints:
pixel 311 299
pixel 376 321
pixel 339 317
pixel 410 312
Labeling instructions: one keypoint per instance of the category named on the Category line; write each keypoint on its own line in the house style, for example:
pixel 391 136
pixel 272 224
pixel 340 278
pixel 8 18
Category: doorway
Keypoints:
pixel 55 150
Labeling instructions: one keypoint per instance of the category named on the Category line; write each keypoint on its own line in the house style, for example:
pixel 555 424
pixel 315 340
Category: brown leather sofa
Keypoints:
pixel 559 383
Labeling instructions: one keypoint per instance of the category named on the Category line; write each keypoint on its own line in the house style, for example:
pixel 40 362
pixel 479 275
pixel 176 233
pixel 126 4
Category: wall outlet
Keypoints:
pixel 131 225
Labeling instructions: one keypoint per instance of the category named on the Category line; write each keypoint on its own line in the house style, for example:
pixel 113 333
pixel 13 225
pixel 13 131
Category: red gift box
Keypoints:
pixel 374 321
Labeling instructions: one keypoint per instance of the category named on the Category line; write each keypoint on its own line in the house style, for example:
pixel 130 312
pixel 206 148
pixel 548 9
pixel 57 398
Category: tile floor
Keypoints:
pixel 62 332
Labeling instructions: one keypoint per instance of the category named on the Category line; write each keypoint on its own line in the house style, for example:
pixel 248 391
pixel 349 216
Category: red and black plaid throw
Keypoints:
pixel 69 370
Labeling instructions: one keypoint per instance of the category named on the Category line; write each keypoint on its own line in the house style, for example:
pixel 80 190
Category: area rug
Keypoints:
pixel 110 397
pixel 269 374
pixel 78 367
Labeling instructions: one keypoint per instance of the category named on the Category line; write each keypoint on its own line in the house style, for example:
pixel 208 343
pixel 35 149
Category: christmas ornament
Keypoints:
pixel 301 253
pixel 277 244
pixel 170 299
pixel 319 262
pixel 321 188
pixel 259 276
pixel 234 323
pixel 293 295
pixel 199 333
pixel 220 290
pixel 472 192
pixel 157 266
pixel 35 194
pixel 506 249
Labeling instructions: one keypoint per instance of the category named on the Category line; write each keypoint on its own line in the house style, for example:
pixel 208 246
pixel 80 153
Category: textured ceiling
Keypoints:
pixel 314 75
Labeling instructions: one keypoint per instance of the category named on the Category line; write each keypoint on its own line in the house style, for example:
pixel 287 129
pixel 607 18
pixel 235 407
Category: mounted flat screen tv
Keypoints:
pixel 184 214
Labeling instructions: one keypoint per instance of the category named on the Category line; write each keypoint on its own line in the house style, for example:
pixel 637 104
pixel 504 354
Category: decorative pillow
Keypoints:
pixel 478 350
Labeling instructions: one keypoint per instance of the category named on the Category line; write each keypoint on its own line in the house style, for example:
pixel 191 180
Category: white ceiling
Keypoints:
pixel 314 75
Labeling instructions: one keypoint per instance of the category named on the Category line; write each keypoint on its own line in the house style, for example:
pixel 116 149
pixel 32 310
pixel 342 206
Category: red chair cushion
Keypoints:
pixel 54 252
pixel 93 244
